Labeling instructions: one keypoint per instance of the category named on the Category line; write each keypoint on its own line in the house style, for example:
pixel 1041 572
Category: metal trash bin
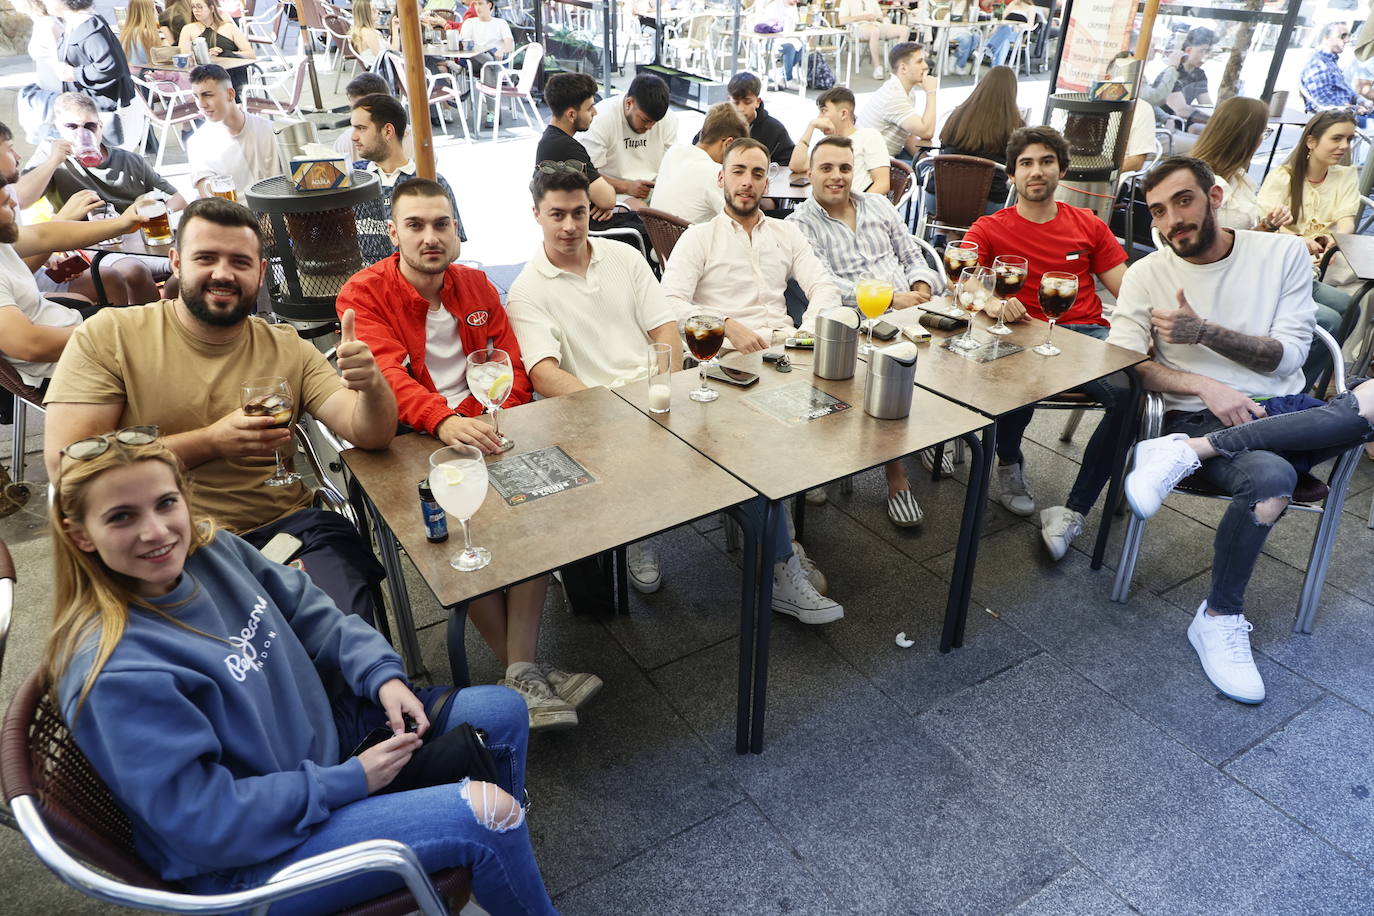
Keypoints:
pixel 891 381
pixel 837 344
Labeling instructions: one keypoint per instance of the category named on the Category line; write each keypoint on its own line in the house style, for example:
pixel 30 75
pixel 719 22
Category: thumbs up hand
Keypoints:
pixel 356 365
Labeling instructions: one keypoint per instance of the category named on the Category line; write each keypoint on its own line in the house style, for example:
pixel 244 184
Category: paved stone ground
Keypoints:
pixel 1070 759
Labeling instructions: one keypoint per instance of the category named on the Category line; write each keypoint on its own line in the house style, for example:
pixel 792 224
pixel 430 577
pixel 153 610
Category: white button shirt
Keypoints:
pixel 718 268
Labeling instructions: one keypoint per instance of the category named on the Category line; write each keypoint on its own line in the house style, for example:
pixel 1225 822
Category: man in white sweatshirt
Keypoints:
pixel 1227 318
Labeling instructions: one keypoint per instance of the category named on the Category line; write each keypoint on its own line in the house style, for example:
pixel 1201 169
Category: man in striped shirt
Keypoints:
pixel 860 236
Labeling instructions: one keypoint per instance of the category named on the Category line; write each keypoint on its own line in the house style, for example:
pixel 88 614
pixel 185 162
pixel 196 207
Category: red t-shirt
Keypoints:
pixel 1076 240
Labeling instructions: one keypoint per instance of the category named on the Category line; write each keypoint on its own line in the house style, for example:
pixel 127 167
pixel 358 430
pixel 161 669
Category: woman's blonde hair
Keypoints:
pixel 88 597
pixel 141 29
pixel 1232 136
pixel 984 123
pixel 364 19
pixel 1297 162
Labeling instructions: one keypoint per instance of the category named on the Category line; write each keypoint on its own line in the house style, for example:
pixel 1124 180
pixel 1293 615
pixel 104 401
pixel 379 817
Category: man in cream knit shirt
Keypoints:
pixel 1227 318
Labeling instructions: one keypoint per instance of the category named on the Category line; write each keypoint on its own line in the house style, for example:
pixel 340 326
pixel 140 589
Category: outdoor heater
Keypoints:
pixel 312 243
pixel 1096 131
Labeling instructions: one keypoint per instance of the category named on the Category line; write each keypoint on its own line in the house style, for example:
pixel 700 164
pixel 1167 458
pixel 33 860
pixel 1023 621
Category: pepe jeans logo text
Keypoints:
pixel 246 657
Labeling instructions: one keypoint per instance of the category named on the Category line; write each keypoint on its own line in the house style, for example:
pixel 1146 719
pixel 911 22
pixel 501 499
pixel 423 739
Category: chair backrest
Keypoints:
pixel 664 230
pixel 898 182
pixel 11 382
pixel 962 184
pixel 529 66
pixel 39 758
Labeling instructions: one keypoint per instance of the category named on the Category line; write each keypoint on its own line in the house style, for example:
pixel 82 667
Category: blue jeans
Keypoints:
pixel 438 823
pixel 1332 305
pixel 1248 469
pixel 790 55
pixel 963 48
pixel 1101 449
pixel 999 45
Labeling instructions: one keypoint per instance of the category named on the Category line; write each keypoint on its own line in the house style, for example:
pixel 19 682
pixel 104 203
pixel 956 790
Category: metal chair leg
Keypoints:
pixel 1130 552
pixel 1071 427
pixel 847 485
pixel 17 453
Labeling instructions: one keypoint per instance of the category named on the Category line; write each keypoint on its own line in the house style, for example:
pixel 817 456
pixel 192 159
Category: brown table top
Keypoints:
pixel 1359 251
pixel 779 459
pixel 646 481
pixel 998 387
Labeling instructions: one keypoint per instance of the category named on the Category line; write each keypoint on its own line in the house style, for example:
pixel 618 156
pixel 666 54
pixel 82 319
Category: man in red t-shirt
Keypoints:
pixel 1052 235
pixel 421 315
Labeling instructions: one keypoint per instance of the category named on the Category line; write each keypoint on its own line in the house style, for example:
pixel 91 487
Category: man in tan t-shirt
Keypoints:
pixel 180 364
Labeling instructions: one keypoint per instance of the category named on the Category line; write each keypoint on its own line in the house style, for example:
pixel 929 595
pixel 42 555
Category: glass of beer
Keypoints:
pixel 958 255
pixel 223 186
pixel 157 230
pixel 270 396
pixel 1010 272
pixel 1058 290
pixel 874 297
pixel 973 294
pixel 705 335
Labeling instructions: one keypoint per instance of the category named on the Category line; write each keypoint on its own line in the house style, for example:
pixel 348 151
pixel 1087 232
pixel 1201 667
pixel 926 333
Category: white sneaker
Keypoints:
pixel 813 573
pixel 793 594
pixel 547 712
pixel 1223 647
pixel 1059 525
pixel 877 73
pixel 572 687
pixel 946 460
pixel 642 563
pixel 1159 465
pixel 1015 496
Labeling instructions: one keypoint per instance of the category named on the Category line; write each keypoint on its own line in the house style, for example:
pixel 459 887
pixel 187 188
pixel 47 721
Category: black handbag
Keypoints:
pixel 459 753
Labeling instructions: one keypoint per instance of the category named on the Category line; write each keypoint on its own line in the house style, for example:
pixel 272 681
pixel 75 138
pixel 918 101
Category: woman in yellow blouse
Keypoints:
pixel 1322 194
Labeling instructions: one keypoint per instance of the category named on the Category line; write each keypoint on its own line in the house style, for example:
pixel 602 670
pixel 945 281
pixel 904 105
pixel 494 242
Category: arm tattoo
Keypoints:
pixel 1262 354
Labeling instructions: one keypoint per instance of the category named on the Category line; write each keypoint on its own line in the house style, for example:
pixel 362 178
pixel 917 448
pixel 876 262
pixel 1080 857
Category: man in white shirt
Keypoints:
pixel 629 136
pixel 1227 318
pixel 585 311
pixel 835 118
pixel 861 236
pixel 379 128
pixel 232 142
pixel 737 265
pixel 489 35
pixel 891 110
pixel 689 179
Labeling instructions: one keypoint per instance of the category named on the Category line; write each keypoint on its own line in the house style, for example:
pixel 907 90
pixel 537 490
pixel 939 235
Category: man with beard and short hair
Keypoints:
pixel 180 364
pixel 1227 318
pixel 736 265
pixel 379 129
pixel 1052 235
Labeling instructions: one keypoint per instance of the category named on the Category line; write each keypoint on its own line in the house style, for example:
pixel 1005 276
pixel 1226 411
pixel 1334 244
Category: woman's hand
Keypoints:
pixel 382 762
pixel 396 698
pixel 1278 217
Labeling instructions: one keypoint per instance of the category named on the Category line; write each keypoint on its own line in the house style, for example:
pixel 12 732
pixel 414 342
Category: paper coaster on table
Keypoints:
pixel 533 475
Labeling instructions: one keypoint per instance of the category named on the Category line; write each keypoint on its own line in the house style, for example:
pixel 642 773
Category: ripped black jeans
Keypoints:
pixel 1248 468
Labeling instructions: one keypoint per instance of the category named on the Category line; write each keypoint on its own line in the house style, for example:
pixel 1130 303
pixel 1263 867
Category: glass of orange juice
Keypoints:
pixel 874 296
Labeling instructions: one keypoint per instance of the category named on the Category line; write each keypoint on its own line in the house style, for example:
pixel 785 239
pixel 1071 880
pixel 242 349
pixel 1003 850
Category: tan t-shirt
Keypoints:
pixel 143 357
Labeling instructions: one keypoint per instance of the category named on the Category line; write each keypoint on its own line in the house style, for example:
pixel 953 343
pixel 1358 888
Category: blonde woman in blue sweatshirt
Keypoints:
pixel 194 675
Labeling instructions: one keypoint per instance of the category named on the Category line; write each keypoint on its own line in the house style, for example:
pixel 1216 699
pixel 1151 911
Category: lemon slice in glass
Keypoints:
pixel 500 386
pixel 452 476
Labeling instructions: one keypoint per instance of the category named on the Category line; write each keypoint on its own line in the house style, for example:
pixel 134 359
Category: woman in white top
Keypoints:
pixel 780 15
pixel 870 24
pixel 363 34
pixel 47 31
pixel 1323 195
pixel 1228 144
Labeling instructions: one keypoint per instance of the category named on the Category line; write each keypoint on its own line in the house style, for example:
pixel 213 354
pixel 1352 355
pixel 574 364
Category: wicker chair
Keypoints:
pixel 963 183
pixel 7 579
pixel 900 187
pixel 664 230
pixel 73 824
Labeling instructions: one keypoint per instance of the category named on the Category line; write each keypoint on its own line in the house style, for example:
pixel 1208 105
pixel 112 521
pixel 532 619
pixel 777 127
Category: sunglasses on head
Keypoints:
pixel 95 446
pixel 88 125
pixel 552 166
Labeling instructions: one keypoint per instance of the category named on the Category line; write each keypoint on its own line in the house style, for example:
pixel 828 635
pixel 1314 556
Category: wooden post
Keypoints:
pixel 417 87
pixel 1147 31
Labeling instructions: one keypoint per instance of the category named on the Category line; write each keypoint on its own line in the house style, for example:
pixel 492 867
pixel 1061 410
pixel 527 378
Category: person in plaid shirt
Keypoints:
pixel 1323 83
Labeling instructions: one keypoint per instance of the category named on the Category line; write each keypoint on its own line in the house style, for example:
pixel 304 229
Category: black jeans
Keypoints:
pixel 1101 448
pixel 1249 469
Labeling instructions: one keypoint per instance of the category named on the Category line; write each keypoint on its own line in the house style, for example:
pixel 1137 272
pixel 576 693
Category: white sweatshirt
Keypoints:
pixel 1262 288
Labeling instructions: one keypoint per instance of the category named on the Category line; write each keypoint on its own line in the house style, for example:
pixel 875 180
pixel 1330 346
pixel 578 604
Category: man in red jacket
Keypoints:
pixel 421 314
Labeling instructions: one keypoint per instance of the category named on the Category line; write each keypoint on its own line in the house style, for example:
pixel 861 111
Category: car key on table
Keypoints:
pixel 779 360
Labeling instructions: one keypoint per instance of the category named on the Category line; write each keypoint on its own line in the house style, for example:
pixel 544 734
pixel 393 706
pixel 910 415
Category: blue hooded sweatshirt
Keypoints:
pixel 224 751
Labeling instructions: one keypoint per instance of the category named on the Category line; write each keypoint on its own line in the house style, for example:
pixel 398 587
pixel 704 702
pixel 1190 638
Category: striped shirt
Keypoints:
pixel 879 246
pixel 595 327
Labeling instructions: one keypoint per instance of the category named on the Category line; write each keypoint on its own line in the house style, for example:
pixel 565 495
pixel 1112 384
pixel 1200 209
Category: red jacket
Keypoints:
pixel 389 317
